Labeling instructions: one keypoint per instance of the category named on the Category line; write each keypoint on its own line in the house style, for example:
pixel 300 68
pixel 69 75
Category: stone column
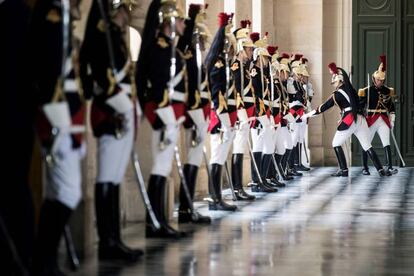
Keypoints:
pixel 243 10
pixel 214 8
pixel 267 18
pixel 298 29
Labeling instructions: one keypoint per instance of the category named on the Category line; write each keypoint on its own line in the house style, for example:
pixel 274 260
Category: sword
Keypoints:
pixel 275 164
pixel 65 33
pixel 226 60
pixel 6 239
pixel 70 248
pixel 198 58
pixel 184 182
pixel 230 181
pixel 306 152
pixel 208 172
pixel 254 162
pixel 397 149
pixel 272 99
pixel 143 190
pixel 367 106
pixel 55 132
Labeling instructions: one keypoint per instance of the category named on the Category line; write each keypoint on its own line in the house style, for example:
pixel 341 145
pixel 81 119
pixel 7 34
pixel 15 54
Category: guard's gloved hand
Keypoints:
pixel 392 120
pixel 308 115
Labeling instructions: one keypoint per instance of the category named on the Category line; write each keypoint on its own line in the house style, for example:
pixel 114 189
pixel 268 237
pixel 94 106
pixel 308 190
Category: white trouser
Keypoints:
pixel 359 129
pixel 220 147
pixel 283 140
pixel 298 132
pixel 383 131
pixel 302 131
pixel 114 154
pixel 65 176
pixel 163 158
pixel 269 142
pixel 240 143
pixel 262 140
pixel 195 154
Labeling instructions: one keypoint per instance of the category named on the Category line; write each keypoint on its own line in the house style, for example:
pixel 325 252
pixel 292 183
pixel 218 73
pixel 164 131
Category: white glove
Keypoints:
pixel 392 120
pixel 242 115
pixel 225 120
pixel 308 115
pixel 120 102
pixel 289 117
pixel 167 115
pixel 227 135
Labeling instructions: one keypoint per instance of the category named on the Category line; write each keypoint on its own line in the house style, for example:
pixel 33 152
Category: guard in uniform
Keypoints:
pixel 224 112
pixel 192 43
pixel 284 143
pixel 165 99
pixel 59 123
pixel 107 74
pixel 308 95
pixel 245 106
pixel 352 121
pixel 380 113
pixel 297 103
pixel 283 139
pixel 272 174
pixel 261 131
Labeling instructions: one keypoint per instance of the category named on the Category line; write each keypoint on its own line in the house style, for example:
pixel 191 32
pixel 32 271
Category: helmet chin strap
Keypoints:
pixel 337 84
pixel 374 80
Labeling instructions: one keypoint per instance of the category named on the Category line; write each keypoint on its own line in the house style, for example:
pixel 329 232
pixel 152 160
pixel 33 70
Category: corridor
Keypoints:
pixel 317 225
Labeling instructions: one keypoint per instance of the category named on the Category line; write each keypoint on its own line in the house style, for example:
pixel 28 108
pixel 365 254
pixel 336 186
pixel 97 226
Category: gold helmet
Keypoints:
pixel 273 52
pixel 260 45
pixel 226 21
pixel 242 35
pixel 169 10
pixel 382 68
pixel 304 67
pixel 200 24
pixel 284 62
pixel 336 74
pixel 304 70
pixel 296 62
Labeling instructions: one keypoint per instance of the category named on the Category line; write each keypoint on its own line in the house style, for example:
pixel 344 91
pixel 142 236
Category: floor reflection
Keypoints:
pixel 317 225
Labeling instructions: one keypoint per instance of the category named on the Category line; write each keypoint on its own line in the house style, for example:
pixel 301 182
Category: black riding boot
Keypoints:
pixel 279 161
pixel 269 172
pixel 184 211
pixel 116 225
pixel 108 224
pixel 388 160
pixel 343 168
pixel 218 203
pixel 377 163
pixel 257 157
pixel 237 178
pixel 156 194
pixel 291 163
pixel 284 162
pixel 259 186
pixel 365 169
pixel 53 217
pixel 300 166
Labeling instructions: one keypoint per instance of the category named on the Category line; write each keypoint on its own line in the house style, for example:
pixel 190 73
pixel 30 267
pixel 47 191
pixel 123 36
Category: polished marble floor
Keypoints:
pixel 317 225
